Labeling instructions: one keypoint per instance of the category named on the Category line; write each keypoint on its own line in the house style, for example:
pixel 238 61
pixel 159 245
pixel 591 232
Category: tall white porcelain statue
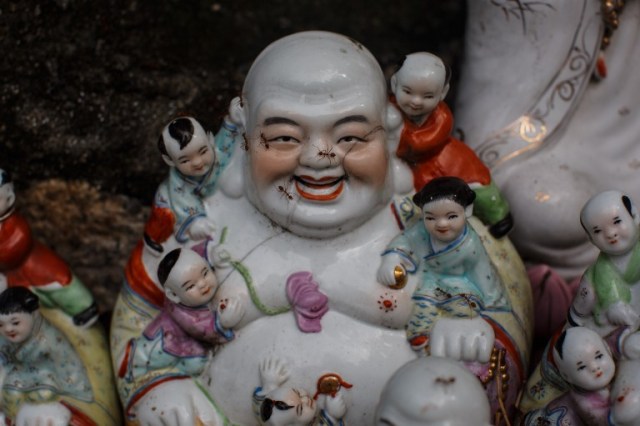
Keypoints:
pixel 548 98
pixel 304 209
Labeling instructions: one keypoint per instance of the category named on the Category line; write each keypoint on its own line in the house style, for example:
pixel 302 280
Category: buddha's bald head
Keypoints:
pixel 316 118
pixel 313 68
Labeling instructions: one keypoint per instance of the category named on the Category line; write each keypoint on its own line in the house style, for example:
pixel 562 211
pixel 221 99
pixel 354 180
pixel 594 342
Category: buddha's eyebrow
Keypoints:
pixel 279 120
pixel 351 118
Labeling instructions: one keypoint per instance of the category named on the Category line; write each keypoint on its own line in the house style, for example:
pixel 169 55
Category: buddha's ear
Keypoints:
pixel 393 83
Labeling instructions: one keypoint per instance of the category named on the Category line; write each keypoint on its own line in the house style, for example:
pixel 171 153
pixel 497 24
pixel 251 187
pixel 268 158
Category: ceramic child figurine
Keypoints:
pixel 315 188
pixel 585 363
pixel 277 404
pixel 456 275
pixel 433 391
pixel 196 160
pixel 28 263
pixel 607 298
pixel 45 380
pixel 419 88
pixel 606 292
pixel 178 341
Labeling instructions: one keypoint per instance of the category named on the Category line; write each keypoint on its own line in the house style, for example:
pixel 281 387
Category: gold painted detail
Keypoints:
pixel 400 276
pixel 611 10
pixel 498 371
pixel 536 126
pixel 532 130
pixel 542 197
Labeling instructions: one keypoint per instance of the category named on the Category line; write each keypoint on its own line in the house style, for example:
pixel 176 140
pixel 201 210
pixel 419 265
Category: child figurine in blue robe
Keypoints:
pixel 196 159
pixel 43 373
pixel 457 279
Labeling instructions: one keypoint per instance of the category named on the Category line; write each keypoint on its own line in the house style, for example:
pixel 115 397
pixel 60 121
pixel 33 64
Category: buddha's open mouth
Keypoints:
pixel 324 189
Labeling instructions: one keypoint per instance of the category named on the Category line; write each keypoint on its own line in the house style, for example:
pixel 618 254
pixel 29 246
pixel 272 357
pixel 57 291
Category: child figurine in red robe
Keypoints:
pixel 28 263
pixel 419 87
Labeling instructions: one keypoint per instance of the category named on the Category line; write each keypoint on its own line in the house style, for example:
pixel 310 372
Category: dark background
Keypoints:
pixel 87 86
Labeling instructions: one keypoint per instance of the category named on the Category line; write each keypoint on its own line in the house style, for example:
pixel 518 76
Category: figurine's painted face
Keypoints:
pixel 609 224
pixel 444 219
pixel 318 161
pixel 302 411
pixel 586 361
pixel 420 85
pixel 16 327
pixel 196 158
pixel 7 198
pixel 191 282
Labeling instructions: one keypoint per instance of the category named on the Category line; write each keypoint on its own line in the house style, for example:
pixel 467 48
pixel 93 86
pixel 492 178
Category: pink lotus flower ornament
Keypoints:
pixel 309 304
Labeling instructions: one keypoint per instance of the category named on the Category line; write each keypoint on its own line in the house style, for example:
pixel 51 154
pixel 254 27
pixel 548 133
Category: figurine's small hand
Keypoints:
pixel 230 312
pixel 218 256
pixel 201 229
pixel 621 313
pixel 46 414
pixel 387 270
pixel 335 406
pixel 273 373
pixel 236 115
pixel 3 282
pixel 462 339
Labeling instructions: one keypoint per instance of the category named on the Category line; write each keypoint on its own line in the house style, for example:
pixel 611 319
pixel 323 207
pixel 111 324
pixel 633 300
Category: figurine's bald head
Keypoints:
pixel 316 118
pixel 423 64
pixel 611 221
pixel 314 67
pixel 420 85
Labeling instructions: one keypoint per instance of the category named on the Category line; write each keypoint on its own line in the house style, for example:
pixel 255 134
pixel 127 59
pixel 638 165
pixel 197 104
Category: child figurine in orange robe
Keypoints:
pixel 28 263
pixel 419 87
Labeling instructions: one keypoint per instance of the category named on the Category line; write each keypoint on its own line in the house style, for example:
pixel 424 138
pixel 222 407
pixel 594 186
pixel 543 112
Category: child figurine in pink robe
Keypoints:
pixel 585 362
pixel 177 343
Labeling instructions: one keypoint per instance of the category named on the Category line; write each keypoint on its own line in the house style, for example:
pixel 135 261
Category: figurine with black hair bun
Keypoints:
pixel 457 277
pixel 178 342
pixel 196 159
pixel 586 364
pixel 604 297
pixel 45 380
pixel 607 300
pixel 456 280
pixel 419 87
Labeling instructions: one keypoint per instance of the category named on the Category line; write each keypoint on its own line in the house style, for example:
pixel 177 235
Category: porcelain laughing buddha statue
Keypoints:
pixel 315 190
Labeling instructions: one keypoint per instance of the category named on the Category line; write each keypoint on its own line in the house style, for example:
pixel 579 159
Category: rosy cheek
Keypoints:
pixel 271 164
pixel 368 162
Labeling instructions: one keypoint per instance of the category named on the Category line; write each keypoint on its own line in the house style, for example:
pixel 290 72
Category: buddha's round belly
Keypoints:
pixel 362 354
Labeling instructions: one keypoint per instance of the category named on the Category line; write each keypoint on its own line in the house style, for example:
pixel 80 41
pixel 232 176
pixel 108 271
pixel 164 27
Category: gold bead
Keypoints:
pixel 400 275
